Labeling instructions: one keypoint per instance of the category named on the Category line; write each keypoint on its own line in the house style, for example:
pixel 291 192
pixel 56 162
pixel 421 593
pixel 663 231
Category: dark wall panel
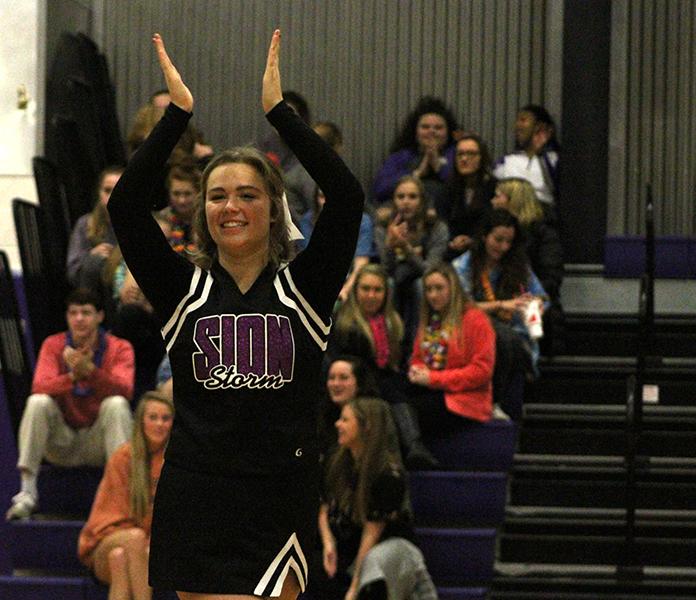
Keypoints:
pixel 583 177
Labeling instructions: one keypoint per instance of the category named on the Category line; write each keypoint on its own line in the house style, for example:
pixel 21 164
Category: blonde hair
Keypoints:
pixel 139 489
pixel 459 302
pixel 523 201
pixel 98 222
pixel 280 248
pixel 145 121
pixel 350 315
pixel 111 264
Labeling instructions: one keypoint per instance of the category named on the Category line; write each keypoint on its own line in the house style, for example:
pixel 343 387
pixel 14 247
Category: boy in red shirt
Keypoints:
pixel 79 410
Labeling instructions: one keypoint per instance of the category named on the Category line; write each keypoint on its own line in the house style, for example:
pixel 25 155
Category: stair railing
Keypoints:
pixel 631 567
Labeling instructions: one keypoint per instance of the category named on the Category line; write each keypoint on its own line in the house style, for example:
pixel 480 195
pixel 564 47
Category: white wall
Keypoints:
pixel 22 57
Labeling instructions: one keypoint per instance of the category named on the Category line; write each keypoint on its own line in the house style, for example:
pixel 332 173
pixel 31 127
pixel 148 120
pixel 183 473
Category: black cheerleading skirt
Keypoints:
pixel 242 534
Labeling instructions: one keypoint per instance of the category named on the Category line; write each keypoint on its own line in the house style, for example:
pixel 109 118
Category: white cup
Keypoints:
pixel 532 319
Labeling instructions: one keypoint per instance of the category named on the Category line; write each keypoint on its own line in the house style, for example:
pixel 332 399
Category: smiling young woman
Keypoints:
pixel 348 377
pixel 114 541
pixel 365 521
pixel 496 273
pixel 451 366
pixel 245 330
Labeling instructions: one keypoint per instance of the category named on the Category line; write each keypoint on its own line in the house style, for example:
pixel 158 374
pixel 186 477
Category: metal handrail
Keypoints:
pixel 631 567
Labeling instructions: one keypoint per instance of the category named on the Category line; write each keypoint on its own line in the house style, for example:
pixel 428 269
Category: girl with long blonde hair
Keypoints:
pixel 453 356
pixel 368 326
pixel 114 542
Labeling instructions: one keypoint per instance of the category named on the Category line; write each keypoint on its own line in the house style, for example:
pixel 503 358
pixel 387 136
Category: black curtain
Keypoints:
pixel 82 134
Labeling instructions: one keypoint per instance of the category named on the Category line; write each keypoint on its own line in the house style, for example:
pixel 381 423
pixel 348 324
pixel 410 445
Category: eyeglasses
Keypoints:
pixel 468 153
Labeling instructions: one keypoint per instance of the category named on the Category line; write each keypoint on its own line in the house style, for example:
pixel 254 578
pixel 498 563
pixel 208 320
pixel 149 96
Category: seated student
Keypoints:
pixel 92 239
pixel 365 519
pixel 364 250
pixel 191 148
pixel 536 155
pixel 496 273
pixel 183 186
pixel 453 356
pixel 133 317
pixel 348 378
pixel 368 326
pixel 410 243
pixel 424 148
pixel 543 247
pixel 469 193
pixel 79 411
pixel 114 542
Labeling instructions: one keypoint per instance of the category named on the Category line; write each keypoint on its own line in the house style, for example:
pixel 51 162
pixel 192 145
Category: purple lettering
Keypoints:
pixel 251 340
pixel 227 340
pixel 253 351
pixel 280 346
pixel 209 355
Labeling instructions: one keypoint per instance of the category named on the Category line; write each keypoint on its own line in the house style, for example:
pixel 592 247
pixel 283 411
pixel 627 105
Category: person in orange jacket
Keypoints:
pixel 114 542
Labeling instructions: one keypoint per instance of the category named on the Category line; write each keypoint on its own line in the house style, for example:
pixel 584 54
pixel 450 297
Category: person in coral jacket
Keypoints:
pixel 114 542
pixel 453 356
pixel 79 409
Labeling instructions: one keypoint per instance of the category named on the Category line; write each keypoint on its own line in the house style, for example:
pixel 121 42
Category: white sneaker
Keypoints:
pixel 23 505
pixel 499 413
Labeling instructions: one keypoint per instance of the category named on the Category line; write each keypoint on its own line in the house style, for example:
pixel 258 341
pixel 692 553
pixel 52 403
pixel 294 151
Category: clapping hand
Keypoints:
pixel 460 242
pixel 79 361
pixel 432 159
pixel 397 233
pixel 419 374
pixel 178 92
pixel 540 138
pixel 104 249
pixel 272 92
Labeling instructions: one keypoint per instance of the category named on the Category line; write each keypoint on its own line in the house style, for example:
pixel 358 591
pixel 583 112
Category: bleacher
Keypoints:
pixel 457 514
pixel 565 528
pixel 536 513
pixel 457 510
pixel 561 534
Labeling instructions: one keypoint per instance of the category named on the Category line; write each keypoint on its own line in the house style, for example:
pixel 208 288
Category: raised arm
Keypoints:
pixel 319 272
pixel 272 90
pixel 161 274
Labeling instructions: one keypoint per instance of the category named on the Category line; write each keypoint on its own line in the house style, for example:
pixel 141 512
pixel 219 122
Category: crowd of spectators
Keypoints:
pixel 429 333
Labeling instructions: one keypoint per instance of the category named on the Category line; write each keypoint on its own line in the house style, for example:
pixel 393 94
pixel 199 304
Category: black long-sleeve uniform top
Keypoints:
pixel 246 366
